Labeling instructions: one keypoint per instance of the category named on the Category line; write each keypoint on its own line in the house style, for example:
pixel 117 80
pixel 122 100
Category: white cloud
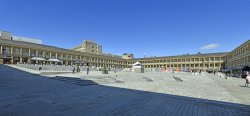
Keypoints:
pixel 209 46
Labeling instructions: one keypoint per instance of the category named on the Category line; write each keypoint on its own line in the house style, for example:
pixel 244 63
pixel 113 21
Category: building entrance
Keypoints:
pixel 6 60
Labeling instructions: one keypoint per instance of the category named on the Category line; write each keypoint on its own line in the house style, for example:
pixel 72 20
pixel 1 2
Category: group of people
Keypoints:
pixel 78 69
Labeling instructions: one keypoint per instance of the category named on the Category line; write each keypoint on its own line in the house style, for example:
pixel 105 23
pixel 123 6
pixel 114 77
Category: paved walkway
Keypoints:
pixel 235 86
pixel 22 93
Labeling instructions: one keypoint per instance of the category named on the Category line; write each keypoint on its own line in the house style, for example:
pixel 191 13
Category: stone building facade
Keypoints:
pixel 17 51
pixel 12 52
pixel 239 57
pixel 89 47
pixel 128 56
pixel 23 52
pixel 211 61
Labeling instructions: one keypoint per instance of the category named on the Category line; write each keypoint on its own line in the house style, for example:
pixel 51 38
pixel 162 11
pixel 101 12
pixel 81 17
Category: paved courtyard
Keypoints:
pixel 25 92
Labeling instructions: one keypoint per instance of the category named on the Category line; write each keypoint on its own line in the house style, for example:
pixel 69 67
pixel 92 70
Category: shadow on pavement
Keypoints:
pixel 105 100
pixel 245 87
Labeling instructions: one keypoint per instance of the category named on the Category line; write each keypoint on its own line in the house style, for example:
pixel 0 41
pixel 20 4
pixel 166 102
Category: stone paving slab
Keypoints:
pixel 25 94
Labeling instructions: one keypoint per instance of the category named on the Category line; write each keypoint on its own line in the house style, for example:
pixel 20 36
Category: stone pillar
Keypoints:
pixel 44 56
pixel 11 53
pixel 50 54
pixel 37 56
pixel 21 59
pixel 71 59
pixel 21 55
pixel 21 52
pixel 29 53
pixel 37 53
pixel 29 57
pixel 11 50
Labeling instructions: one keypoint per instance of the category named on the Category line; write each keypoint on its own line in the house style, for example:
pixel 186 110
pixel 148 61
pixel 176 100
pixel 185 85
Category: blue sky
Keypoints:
pixel 151 27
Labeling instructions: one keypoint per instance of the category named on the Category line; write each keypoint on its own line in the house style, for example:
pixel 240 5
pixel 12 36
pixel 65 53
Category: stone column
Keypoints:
pixel 29 53
pixel 50 57
pixel 29 57
pixel 71 59
pixel 56 58
pixel 80 57
pixel 37 53
pixel 21 55
pixel 37 56
pixel 11 50
pixel 67 59
pixel 44 56
pixel 21 52
pixel 49 54
pixel 11 54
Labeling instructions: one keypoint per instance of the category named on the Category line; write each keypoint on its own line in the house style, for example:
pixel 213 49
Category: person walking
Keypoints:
pixel 73 70
pixel 78 69
pixel 87 70
pixel 40 68
pixel 247 79
pixel 172 70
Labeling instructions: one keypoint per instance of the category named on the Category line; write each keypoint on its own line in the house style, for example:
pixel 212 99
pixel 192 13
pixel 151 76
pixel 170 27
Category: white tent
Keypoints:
pixel 38 58
pixel 54 60
pixel 137 64
pixel 138 67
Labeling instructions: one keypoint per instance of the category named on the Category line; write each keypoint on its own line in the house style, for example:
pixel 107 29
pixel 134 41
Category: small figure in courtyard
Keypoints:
pixel 78 69
pixel 115 70
pixel 73 70
pixel 247 79
pixel 193 72
pixel 87 70
pixel 40 68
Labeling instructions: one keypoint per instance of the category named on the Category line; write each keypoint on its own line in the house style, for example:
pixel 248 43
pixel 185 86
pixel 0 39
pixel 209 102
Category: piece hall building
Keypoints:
pixel 15 49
